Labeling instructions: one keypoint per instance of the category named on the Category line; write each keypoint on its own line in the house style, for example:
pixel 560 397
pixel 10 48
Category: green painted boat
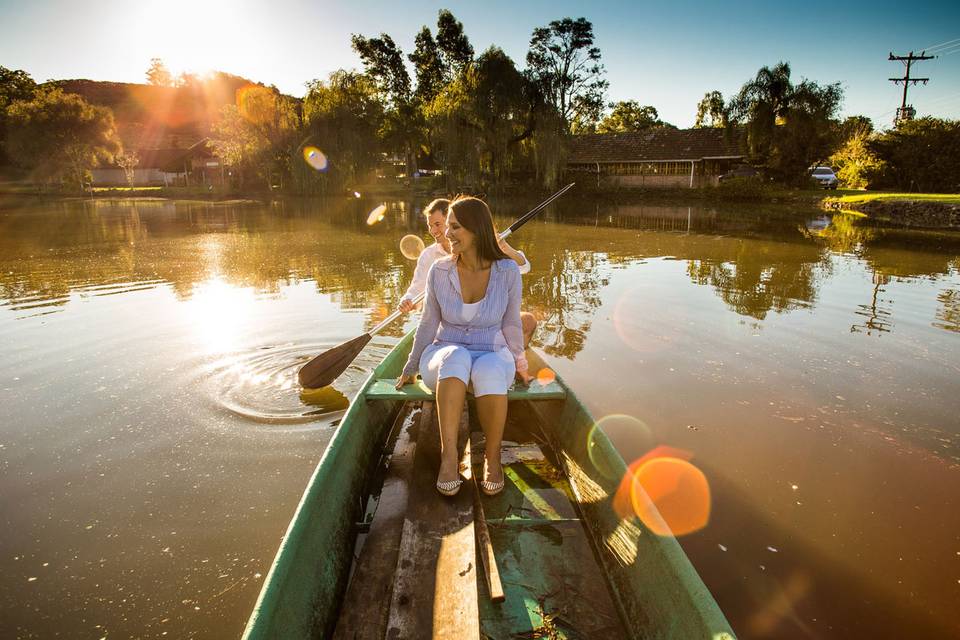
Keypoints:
pixel 373 551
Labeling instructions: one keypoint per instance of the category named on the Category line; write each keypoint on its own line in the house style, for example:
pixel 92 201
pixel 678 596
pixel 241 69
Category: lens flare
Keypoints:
pixel 545 376
pixel 645 327
pixel 377 215
pixel 630 436
pixel 411 246
pixel 670 495
pixel 316 159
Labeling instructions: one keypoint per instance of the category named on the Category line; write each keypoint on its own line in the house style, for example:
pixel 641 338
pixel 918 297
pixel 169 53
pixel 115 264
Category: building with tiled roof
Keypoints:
pixel 660 157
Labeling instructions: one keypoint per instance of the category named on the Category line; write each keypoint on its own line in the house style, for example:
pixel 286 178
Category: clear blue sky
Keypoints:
pixel 665 53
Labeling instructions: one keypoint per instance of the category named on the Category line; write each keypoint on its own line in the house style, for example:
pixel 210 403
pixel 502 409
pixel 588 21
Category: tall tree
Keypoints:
pixel 158 74
pixel 856 164
pixel 629 116
pixel 403 122
pixel 455 48
pixel 427 65
pixel 711 111
pixel 566 65
pixel 60 136
pixel 787 127
pixel 919 155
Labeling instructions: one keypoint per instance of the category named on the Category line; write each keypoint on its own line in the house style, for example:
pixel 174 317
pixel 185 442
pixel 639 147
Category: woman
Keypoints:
pixel 436 214
pixel 470 333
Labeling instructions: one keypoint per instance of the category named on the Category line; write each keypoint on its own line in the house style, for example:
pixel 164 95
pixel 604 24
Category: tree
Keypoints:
pixel 856 164
pixel 919 155
pixel 403 121
pixel 566 66
pixel 258 134
pixel 428 66
pixel 481 117
pixel 128 161
pixel 158 75
pixel 711 111
pixel 343 117
pixel 629 116
pixel 787 127
pixel 60 136
pixel 14 86
pixel 455 49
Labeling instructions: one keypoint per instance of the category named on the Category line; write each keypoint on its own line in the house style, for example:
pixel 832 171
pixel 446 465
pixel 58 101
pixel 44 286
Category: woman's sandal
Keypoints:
pixel 491 488
pixel 449 488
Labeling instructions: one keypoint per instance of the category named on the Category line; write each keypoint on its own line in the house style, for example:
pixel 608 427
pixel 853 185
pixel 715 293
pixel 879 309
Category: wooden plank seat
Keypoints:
pixel 384 389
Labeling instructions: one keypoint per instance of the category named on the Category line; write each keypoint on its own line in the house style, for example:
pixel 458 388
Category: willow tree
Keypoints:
pixel 342 117
pixel 60 137
pixel 482 117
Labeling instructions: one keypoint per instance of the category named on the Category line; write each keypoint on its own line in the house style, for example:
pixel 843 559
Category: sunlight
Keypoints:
pixel 203 32
pixel 217 312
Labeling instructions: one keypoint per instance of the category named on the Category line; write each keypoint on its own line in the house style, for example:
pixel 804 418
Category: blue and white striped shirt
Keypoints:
pixel 495 325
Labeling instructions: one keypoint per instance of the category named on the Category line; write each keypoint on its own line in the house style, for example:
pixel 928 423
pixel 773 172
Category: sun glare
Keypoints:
pixel 217 313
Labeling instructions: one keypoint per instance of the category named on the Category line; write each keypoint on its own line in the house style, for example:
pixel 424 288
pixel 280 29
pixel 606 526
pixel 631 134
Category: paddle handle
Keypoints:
pixel 522 220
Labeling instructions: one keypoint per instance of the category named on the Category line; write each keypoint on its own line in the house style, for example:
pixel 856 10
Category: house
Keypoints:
pixel 661 157
pixel 195 165
pixel 154 167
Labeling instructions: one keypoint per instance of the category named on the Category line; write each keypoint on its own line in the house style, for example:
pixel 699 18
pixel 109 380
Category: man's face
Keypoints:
pixel 437 224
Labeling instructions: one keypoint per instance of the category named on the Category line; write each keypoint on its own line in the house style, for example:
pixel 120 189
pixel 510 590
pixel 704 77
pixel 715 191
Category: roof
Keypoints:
pixel 659 144
pixel 164 159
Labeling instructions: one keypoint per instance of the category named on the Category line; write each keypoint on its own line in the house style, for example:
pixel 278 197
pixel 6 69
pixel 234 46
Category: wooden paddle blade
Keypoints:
pixel 328 366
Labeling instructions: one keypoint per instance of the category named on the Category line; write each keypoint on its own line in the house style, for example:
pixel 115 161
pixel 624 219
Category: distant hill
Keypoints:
pixel 152 117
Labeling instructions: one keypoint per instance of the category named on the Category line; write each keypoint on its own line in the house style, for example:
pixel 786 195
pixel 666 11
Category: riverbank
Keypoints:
pixel 915 210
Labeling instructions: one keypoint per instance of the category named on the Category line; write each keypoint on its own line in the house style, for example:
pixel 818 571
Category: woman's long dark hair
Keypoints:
pixel 474 215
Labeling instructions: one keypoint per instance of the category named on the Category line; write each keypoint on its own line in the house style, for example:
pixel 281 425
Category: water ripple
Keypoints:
pixel 262 386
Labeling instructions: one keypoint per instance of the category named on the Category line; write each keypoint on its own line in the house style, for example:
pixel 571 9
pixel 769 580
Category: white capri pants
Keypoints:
pixel 490 371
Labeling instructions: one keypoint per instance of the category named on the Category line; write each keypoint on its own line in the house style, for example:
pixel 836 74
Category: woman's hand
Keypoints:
pixel 525 377
pixel 406 305
pixel 405 379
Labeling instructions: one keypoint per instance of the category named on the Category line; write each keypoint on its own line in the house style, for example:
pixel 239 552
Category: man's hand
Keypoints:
pixel 406 305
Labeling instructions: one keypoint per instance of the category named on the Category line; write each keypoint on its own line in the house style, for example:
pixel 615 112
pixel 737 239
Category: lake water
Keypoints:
pixel 154 442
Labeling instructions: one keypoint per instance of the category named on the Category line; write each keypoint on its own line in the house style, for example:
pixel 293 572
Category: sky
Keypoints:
pixel 665 54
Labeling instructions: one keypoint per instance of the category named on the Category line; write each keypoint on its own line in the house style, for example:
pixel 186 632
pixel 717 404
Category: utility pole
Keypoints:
pixel 905 111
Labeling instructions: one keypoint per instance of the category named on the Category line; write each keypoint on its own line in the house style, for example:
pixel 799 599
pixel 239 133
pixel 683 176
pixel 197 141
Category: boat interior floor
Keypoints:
pixel 418 573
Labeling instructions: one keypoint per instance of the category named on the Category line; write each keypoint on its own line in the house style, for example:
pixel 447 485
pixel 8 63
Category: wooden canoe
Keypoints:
pixel 373 552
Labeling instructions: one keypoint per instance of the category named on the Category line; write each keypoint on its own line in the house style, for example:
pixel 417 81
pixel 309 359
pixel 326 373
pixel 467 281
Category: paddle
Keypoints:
pixel 327 367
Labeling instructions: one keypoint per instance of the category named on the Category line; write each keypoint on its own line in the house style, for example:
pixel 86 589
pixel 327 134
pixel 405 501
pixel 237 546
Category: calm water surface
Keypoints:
pixel 154 442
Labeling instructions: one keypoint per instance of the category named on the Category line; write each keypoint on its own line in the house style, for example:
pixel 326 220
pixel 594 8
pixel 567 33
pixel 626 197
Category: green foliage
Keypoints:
pixel 565 65
pixel 257 136
pixel 919 155
pixel 59 136
pixel 711 111
pixel 455 48
pixel 429 68
pixel 158 75
pixel 343 117
pixel 855 163
pixel 14 86
pixel 788 127
pixel 629 116
pixel 383 62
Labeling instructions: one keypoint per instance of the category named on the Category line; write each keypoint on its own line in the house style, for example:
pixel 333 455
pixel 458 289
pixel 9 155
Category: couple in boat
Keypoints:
pixel 471 331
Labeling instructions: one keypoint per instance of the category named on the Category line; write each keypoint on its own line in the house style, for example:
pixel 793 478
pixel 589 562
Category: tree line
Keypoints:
pixel 479 118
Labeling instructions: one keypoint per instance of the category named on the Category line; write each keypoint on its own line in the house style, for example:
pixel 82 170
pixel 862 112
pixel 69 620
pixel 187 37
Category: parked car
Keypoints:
pixel 825 176
pixel 740 171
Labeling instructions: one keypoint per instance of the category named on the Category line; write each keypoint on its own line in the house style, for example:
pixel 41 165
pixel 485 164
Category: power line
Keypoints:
pixel 905 112
pixel 947 44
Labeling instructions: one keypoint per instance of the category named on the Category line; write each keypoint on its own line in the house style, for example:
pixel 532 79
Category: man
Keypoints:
pixel 436 214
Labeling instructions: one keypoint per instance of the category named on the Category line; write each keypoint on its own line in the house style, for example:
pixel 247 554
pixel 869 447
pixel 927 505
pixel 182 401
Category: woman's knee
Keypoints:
pixel 492 373
pixel 450 361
